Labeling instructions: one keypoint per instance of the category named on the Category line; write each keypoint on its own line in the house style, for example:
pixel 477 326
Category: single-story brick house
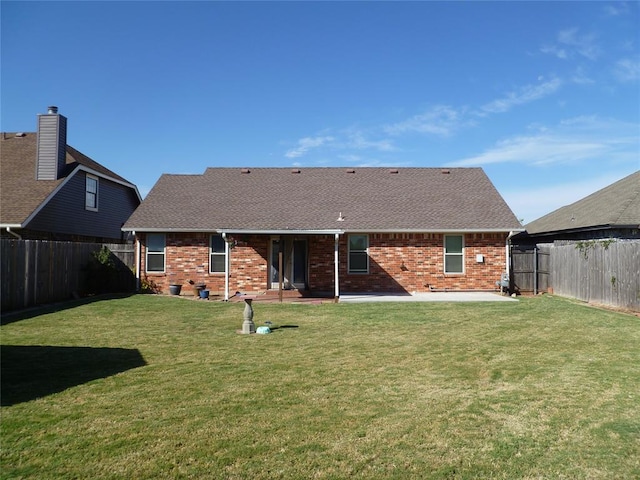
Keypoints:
pixel 324 230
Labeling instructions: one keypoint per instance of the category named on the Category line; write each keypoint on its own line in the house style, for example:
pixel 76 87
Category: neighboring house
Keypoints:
pixel 51 191
pixel 324 230
pixel 612 212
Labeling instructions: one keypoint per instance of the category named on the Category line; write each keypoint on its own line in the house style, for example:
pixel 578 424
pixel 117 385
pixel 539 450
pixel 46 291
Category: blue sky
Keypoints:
pixel 545 96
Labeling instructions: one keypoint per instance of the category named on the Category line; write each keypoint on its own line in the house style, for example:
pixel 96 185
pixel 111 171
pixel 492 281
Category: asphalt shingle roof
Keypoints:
pixel 20 193
pixel 369 199
pixel 615 205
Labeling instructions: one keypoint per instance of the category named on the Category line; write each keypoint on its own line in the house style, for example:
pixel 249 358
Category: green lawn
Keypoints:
pixel 160 387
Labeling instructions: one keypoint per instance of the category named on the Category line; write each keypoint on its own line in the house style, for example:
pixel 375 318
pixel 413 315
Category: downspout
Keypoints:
pixel 508 258
pixel 138 262
pixel 11 232
pixel 226 267
pixel 336 276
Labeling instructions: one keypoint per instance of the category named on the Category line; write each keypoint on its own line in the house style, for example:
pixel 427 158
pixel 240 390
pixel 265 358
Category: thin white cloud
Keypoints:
pixel 584 45
pixel 571 43
pixel 357 140
pixel 627 70
pixel 580 77
pixel 307 143
pixel 441 120
pixel 526 94
pixel 554 50
pixel 620 8
pixel 571 142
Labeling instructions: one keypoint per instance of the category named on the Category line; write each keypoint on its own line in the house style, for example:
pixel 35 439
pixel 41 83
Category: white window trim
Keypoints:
pixel 222 254
pixel 366 250
pixel 445 254
pixel 164 255
pixel 86 191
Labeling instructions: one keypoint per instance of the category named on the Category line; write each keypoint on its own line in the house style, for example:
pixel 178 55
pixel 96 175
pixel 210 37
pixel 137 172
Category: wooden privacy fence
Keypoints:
pixel 599 271
pixel 35 272
pixel 531 268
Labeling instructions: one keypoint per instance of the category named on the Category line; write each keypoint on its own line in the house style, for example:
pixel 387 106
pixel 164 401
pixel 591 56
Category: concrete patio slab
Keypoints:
pixel 428 297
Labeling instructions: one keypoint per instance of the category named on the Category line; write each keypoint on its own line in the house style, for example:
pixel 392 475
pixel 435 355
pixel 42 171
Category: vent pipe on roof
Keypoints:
pixel 445 171
pixel 51 145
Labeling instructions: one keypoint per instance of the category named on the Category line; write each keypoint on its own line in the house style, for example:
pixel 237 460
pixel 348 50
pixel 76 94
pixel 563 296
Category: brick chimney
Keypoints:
pixel 51 145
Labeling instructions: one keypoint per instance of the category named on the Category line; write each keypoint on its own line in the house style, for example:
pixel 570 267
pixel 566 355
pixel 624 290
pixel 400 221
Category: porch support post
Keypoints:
pixel 280 267
pixel 226 267
pixel 336 276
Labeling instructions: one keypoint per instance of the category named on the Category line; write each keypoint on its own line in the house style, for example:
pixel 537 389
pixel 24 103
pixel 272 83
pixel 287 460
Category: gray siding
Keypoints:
pixel 66 213
pixel 51 146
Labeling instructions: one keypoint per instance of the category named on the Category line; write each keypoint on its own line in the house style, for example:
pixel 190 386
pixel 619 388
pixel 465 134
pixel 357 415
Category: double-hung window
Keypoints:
pixel 358 254
pixel 217 254
pixel 155 252
pixel 453 254
pixel 91 193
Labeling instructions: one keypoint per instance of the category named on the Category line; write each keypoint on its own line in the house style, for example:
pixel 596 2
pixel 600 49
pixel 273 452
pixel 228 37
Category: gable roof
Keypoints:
pixel 617 205
pixel 21 195
pixel 274 200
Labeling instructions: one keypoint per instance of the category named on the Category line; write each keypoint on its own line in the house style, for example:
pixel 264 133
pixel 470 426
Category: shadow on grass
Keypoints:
pixel 33 371
pixel 17 315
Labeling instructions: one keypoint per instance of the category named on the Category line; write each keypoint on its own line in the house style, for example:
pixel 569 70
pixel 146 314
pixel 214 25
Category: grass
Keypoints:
pixel 159 387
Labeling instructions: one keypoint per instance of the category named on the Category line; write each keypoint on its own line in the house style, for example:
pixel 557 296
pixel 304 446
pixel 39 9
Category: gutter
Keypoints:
pixel 11 232
pixel 341 231
pixel 507 268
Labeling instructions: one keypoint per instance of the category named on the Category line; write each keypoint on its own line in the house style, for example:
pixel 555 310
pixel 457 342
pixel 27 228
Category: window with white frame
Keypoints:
pixel 453 254
pixel 217 254
pixel 156 244
pixel 91 193
pixel 358 254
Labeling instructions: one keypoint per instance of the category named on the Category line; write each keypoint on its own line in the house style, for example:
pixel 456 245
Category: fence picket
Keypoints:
pixel 598 271
pixel 36 272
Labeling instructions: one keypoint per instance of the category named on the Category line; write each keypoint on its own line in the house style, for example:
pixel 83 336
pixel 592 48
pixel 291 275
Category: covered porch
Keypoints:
pixel 301 265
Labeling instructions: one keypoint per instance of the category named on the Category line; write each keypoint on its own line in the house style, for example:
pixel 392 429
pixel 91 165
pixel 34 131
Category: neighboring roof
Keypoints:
pixel 20 193
pixel 617 205
pixel 312 199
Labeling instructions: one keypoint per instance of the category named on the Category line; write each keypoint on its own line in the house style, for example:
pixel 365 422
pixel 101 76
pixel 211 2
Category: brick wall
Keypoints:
pixel 406 262
pixel 414 262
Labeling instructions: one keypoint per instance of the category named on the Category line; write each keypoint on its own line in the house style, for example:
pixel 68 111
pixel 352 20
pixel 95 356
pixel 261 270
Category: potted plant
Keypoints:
pixel 174 287
pixel 197 287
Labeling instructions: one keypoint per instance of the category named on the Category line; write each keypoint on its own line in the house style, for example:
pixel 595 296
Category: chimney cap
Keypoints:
pixel 52 109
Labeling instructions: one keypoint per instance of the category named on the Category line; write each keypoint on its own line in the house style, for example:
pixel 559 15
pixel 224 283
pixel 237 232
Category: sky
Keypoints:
pixel 544 96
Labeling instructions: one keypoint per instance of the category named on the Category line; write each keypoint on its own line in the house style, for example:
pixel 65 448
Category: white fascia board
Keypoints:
pixel 232 231
pixel 438 230
pixel 319 232
pixel 10 225
pixel 281 232
pixel 166 230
